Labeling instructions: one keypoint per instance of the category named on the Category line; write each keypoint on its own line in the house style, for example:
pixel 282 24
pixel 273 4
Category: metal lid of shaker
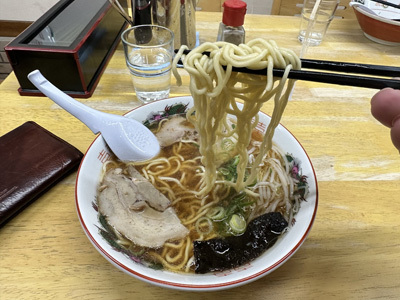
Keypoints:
pixel 234 12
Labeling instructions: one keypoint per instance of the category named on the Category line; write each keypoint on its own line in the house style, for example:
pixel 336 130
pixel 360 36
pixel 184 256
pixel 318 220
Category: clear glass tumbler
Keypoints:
pixel 314 29
pixel 149 50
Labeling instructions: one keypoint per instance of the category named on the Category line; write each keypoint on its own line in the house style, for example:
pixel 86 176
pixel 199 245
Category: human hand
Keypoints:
pixel 385 107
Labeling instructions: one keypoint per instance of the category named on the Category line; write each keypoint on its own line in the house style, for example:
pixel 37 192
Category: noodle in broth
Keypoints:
pixel 235 173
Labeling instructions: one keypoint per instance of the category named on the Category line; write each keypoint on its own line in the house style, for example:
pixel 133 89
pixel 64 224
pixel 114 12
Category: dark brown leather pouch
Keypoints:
pixel 32 160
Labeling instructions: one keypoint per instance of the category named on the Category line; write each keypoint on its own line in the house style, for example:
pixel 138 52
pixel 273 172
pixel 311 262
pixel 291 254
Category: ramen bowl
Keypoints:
pixel 86 189
pixel 378 22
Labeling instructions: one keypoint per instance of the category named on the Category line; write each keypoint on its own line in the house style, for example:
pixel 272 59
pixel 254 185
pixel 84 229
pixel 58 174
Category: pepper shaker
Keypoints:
pixel 231 28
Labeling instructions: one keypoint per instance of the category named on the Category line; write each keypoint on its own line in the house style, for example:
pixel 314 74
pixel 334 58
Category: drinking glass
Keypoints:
pixel 149 50
pixel 317 26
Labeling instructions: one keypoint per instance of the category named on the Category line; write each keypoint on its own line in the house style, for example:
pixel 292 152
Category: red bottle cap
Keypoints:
pixel 234 12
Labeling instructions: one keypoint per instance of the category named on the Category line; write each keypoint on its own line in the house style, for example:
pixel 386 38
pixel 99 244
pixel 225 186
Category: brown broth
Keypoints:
pixel 183 208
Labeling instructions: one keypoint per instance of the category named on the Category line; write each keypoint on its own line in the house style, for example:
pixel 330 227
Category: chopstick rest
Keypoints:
pixel 32 160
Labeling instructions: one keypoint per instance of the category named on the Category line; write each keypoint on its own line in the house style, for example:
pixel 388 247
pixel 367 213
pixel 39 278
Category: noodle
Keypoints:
pixel 190 174
pixel 215 90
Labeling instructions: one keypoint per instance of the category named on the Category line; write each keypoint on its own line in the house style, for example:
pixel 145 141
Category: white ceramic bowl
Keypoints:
pixel 377 22
pixel 285 247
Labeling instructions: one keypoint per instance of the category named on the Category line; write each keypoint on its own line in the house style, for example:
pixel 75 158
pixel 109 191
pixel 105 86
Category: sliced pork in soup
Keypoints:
pixel 137 210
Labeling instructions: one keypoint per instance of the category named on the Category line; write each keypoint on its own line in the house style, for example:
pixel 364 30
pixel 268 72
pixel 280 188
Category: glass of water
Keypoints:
pixel 149 50
pixel 314 29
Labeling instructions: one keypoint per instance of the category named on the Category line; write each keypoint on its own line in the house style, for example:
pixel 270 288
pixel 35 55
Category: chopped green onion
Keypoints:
pixel 236 160
pixel 237 224
pixel 216 213
pixel 224 171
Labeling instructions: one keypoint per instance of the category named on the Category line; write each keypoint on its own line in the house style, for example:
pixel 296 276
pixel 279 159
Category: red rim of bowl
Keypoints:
pixel 377 26
pixel 181 286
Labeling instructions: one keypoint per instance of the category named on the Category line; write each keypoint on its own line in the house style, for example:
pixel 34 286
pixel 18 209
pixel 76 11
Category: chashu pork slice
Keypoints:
pixel 175 129
pixel 137 210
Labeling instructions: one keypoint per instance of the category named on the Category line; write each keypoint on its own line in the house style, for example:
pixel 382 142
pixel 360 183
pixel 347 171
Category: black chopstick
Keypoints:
pixel 337 78
pixel 377 70
pixel 330 78
pixel 387 3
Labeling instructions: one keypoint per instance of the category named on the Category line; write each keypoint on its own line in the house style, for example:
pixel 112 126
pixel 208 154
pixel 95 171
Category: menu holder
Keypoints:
pixel 32 161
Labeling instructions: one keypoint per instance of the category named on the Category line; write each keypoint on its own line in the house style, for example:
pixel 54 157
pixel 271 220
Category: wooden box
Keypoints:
pixel 70 44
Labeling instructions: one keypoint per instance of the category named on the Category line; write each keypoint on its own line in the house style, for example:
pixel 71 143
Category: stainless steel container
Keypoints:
pixel 177 15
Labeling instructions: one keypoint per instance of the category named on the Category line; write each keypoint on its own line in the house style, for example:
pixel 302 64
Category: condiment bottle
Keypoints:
pixel 231 28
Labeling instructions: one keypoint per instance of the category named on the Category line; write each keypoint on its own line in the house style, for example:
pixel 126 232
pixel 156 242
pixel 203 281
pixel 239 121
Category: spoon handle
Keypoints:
pixel 89 116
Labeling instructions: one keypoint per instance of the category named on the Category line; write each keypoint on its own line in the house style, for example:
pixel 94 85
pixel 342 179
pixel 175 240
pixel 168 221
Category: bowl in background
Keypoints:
pixel 86 191
pixel 378 22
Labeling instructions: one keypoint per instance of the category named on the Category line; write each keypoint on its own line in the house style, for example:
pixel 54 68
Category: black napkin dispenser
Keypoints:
pixel 70 44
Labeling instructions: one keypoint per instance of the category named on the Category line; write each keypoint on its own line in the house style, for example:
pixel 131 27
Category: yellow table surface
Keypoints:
pixel 353 249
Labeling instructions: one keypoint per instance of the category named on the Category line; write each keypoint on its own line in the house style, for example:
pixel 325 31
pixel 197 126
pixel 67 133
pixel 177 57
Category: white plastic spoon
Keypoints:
pixel 128 139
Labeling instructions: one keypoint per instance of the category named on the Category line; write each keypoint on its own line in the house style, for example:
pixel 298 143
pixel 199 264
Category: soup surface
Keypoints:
pixel 154 211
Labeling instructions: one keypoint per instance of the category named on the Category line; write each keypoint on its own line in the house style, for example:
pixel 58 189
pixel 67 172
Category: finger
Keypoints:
pixel 385 106
pixel 395 133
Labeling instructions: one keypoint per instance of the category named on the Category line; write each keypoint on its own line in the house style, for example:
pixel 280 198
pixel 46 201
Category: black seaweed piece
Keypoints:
pixel 230 252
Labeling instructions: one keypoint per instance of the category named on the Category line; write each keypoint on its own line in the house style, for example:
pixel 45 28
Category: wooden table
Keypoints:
pixel 353 250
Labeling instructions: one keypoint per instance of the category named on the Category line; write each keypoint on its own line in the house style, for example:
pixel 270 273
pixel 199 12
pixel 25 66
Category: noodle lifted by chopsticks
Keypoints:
pixel 215 89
